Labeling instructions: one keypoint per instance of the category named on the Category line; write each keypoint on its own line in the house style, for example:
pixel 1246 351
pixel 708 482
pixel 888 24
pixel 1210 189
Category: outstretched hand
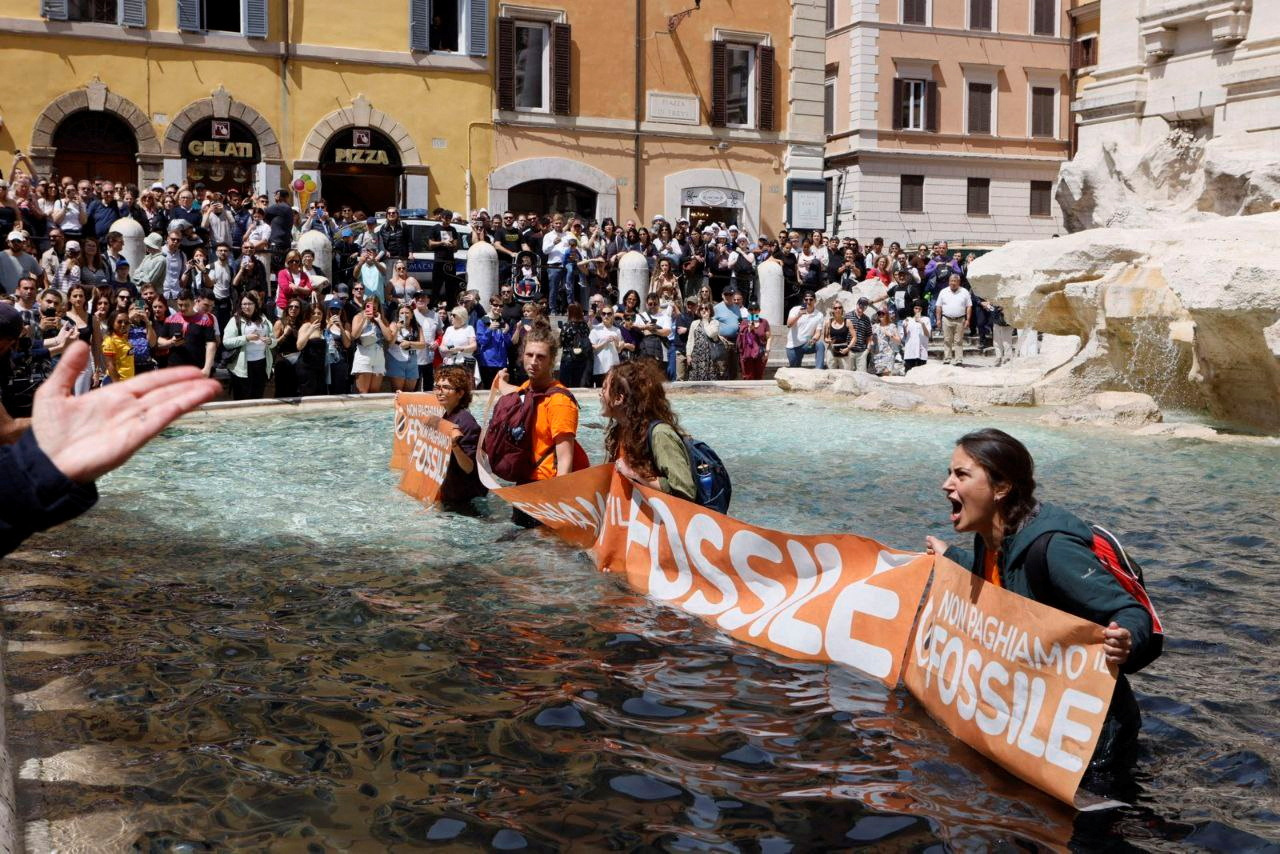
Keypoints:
pixel 89 435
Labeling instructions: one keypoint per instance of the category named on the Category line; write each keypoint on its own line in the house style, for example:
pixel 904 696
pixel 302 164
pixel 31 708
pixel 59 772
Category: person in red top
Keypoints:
pixel 555 430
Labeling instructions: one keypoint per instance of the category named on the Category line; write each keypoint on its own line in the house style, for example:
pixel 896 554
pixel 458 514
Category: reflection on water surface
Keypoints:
pixel 256 641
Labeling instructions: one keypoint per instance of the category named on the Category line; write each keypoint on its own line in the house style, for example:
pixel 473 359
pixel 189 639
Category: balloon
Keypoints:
pixel 299 184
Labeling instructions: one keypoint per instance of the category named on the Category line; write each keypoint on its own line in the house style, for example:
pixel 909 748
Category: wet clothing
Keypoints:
pixel 34 494
pixel 1082 587
pixel 460 486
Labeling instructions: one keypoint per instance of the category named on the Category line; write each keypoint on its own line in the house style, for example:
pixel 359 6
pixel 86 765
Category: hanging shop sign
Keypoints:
pixel 221 139
pixel 364 147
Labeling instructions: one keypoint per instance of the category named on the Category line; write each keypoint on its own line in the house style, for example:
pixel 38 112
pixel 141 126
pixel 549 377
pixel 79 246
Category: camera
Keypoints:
pixel 48 311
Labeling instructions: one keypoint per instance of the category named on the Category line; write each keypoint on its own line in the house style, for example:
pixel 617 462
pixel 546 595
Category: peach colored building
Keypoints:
pixel 628 110
pixel 946 119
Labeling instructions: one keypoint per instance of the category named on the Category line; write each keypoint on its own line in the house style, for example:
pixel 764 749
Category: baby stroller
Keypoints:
pixel 526 277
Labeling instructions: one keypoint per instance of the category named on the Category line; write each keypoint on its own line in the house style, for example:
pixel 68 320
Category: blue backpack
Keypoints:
pixel 710 477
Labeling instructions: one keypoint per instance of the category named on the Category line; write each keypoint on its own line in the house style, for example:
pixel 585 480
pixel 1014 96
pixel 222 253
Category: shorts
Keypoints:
pixel 402 369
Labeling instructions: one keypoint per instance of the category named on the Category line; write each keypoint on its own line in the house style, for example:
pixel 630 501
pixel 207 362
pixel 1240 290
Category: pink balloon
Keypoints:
pixel 299 184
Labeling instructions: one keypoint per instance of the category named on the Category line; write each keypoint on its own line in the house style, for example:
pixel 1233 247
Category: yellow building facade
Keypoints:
pixel 374 104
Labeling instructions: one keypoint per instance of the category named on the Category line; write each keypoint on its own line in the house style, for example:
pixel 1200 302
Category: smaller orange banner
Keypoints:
pixel 422 445
pixel 572 506
pixel 1025 684
pixel 829 597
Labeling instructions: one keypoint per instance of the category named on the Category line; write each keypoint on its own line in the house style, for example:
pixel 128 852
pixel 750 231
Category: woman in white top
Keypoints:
pixel 458 345
pixel 370 332
pixel 606 346
pixel 915 337
pixel 249 339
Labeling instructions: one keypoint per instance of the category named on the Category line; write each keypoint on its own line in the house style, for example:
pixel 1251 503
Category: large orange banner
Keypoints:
pixel 422 444
pixel 1021 682
pixel 1025 684
pixel 831 597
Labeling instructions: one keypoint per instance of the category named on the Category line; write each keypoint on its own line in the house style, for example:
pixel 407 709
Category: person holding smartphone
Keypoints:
pixel 370 332
pixel 754 334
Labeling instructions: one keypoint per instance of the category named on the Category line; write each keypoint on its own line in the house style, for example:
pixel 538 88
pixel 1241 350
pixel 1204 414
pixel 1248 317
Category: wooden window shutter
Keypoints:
pixel 1044 15
pixel 1077 55
pixel 54 10
pixel 979 108
pixel 255 19
pixel 419 24
pixel 766 106
pixel 980 14
pixel 897 103
pixel 1042 107
pixel 189 16
pixel 561 68
pixel 931 106
pixel 913 12
pixel 719 85
pixel 506 61
pixel 133 13
pixel 478 28
pixel 979 196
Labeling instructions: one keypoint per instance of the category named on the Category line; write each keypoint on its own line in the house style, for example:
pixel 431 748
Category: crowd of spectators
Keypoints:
pixel 223 286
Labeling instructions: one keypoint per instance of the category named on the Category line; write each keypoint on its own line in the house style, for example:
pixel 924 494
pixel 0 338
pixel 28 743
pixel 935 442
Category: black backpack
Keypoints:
pixel 710 477
pixel 1126 571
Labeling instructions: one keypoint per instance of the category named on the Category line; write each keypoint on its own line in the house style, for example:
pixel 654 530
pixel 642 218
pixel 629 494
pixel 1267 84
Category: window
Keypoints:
pixel 915 12
pixel 742 85
pixel 1084 53
pixel 221 16
pixel 831 14
pixel 829 106
pixel 1044 103
pixel 1044 17
pixel 981 15
pixel 533 66
pixel 829 186
pixel 95 11
pixel 449 26
pixel 533 73
pixel 981 102
pixel 979 196
pixel 911 194
pixel 740 99
pixel 912 104
pixel 1041 198
pixel 915 104
pixel 242 17
pixel 127 13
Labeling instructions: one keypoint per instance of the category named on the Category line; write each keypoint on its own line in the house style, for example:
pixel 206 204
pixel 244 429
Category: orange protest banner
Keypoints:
pixel 422 445
pixel 830 597
pixel 572 506
pixel 1025 684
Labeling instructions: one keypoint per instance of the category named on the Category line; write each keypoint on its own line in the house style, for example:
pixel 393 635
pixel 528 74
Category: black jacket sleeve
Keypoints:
pixel 34 494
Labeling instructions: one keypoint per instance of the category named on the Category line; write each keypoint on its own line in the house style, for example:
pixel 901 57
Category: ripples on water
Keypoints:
pixel 278 649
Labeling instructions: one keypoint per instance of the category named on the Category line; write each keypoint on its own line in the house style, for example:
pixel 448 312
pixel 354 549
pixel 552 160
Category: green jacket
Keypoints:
pixel 1082 586
pixel 151 270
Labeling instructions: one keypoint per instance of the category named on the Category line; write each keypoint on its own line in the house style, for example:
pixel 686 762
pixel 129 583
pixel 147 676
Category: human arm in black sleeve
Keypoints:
pixel 35 494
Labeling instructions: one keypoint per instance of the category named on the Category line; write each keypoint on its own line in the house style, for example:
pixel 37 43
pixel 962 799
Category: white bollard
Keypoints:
pixel 772 304
pixel 322 246
pixel 633 275
pixel 131 230
pixel 482 270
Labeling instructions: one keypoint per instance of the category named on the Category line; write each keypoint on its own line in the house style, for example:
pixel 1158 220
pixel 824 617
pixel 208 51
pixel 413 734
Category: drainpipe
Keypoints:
pixel 1072 77
pixel 638 195
pixel 285 125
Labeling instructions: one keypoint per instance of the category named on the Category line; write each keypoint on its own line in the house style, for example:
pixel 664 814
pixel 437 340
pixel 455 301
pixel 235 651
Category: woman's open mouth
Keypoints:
pixel 956 507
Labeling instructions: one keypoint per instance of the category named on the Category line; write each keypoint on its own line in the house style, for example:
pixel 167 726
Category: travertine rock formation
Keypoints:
pixel 1181 177
pixel 1188 313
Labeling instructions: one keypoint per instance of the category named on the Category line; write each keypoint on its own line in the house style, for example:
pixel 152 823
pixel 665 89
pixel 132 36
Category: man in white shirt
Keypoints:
pixel 555 244
pixel 804 334
pixel 429 323
pixel 954 306
pixel 220 275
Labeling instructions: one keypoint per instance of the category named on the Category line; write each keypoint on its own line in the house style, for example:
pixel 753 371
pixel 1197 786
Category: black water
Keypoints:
pixel 280 651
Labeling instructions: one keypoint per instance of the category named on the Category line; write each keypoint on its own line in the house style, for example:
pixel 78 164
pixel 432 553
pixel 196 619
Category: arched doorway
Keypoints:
pixel 221 154
pixel 552 196
pixel 95 144
pixel 361 167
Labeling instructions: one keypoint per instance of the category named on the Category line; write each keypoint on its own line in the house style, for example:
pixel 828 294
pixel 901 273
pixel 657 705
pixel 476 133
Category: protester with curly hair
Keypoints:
pixel 643 438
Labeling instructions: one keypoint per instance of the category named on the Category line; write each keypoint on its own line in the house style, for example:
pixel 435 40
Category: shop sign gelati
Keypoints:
pixel 220 138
